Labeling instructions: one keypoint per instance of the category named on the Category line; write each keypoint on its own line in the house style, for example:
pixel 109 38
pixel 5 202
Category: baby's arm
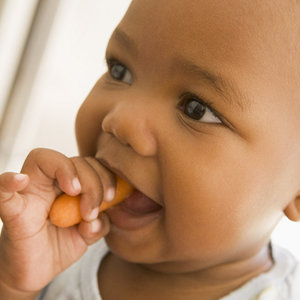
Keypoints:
pixel 32 250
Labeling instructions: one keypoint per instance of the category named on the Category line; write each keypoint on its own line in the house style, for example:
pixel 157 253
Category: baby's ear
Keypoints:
pixel 292 211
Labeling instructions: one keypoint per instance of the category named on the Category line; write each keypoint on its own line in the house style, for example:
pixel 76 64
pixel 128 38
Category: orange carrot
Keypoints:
pixel 65 209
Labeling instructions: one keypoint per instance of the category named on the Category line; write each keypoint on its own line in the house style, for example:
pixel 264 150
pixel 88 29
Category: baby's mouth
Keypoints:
pixel 135 212
pixel 139 204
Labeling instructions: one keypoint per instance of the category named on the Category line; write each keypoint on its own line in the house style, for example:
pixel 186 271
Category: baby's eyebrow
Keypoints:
pixel 126 41
pixel 225 87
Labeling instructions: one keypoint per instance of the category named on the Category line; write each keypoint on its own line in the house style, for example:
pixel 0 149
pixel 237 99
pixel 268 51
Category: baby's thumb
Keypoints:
pixel 11 203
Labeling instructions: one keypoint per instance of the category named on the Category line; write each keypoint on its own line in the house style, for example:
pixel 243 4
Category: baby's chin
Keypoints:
pixel 141 240
pixel 151 257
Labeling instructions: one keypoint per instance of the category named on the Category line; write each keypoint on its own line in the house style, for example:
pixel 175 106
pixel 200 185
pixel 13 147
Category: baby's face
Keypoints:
pixel 199 110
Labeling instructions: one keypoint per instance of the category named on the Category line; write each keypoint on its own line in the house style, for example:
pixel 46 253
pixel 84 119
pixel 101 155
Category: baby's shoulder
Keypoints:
pixel 285 275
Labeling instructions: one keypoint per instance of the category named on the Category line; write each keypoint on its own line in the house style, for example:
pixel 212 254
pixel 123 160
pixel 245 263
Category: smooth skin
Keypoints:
pixel 199 110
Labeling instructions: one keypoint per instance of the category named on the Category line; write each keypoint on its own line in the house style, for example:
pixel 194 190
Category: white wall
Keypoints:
pixel 72 62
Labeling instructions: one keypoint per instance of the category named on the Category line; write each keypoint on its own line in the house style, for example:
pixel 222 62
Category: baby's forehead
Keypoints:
pixel 228 29
pixel 259 17
pixel 265 14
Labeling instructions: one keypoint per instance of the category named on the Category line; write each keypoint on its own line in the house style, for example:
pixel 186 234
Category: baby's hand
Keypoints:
pixel 32 250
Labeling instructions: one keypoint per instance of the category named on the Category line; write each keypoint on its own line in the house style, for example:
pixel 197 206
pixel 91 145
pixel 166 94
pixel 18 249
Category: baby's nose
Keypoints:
pixel 132 124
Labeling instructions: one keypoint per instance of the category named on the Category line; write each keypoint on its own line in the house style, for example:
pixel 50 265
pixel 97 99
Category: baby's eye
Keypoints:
pixel 194 109
pixel 119 72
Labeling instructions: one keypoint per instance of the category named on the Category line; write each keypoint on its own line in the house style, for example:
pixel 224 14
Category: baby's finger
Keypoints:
pixel 11 203
pixel 45 167
pixel 91 232
pixel 108 179
pixel 91 192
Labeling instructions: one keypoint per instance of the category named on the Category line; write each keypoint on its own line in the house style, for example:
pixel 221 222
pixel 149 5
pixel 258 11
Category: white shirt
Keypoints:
pixel 80 282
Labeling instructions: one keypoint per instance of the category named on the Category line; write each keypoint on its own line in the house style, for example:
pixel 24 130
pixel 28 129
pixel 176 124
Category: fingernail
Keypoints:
pixel 94 214
pixel 20 177
pixel 110 195
pixel 76 185
pixel 96 226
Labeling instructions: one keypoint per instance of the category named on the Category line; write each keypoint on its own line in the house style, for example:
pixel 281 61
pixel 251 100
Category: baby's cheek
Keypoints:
pixel 88 128
pixel 201 222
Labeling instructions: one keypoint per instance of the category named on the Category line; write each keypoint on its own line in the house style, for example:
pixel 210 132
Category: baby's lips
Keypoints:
pixel 65 210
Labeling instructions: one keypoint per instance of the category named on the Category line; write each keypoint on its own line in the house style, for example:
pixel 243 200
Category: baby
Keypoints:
pixel 199 111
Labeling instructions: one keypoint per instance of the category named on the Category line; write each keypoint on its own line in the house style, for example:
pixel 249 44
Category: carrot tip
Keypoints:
pixel 65 210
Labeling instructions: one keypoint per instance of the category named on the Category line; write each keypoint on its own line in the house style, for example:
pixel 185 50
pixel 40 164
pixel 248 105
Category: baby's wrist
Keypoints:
pixel 7 292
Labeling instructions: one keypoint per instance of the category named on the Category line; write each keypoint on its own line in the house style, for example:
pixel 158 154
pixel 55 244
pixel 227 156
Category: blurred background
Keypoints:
pixel 51 55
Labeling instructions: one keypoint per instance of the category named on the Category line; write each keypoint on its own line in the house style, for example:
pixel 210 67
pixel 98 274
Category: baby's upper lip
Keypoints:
pixel 115 170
